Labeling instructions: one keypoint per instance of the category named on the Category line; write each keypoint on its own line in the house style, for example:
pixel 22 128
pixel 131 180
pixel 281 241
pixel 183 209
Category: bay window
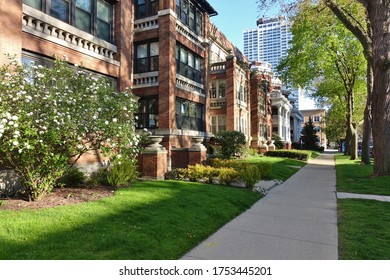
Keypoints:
pixel 190 15
pixel 188 64
pixel 92 16
pixel 189 115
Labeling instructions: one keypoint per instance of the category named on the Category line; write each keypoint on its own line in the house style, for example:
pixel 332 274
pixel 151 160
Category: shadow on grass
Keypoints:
pixel 151 220
pixel 354 177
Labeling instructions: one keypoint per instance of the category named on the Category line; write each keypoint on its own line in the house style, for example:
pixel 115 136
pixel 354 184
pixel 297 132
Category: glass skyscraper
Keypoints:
pixel 269 42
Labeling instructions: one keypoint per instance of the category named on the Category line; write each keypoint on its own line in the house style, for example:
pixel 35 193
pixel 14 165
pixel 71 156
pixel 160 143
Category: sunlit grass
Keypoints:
pixel 353 177
pixel 364 229
pixel 150 220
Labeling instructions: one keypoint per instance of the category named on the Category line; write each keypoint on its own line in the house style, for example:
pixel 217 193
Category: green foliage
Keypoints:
pixel 73 177
pixel 227 175
pixel 230 142
pixel 195 173
pixel 309 136
pixel 293 154
pixel 48 115
pixel 250 174
pixel 98 178
pixel 176 174
pixel 278 141
pixel 122 174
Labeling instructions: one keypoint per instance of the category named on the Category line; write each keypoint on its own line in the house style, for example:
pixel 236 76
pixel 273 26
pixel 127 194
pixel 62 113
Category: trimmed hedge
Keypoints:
pixel 293 154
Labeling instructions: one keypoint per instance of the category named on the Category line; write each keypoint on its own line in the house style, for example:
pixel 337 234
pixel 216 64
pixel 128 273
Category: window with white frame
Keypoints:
pixel 218 123
pixel 316 119
pixel 217 89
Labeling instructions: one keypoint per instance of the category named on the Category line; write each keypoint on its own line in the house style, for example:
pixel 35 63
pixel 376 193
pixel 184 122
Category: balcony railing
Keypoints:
pixel 189 85
pixel 218 67
pixel 217 103
pixel 146 24
pixel 184 30
pixel 42 25
pixel 145 80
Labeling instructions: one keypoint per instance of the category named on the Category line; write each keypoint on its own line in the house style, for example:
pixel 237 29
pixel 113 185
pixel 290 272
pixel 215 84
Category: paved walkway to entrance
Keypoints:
pixel 296 220
pixel 341 195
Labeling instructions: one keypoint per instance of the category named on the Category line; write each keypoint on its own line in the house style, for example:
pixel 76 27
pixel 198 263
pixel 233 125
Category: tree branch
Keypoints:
pixel 360 33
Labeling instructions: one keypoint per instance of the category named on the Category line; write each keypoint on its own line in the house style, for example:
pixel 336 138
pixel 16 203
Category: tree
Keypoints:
pixel 231 143
pixel 309 136
pixel 50 115
pixel 325 56
pixel 374 35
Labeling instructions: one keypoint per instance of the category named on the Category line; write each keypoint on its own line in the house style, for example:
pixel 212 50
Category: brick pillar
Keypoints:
pixel 154 160
pixel 197 154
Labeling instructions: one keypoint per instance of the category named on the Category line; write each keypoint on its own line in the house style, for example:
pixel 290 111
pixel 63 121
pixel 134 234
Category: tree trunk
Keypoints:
pixel 367 130
pixel 354 142
pixel 367 127
pixel 347 142
pixel 379 15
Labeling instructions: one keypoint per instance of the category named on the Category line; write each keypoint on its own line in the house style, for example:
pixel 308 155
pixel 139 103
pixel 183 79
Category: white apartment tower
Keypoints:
pixel 269 42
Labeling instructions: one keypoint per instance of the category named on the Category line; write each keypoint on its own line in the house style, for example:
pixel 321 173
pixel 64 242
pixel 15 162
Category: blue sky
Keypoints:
pixel 236 16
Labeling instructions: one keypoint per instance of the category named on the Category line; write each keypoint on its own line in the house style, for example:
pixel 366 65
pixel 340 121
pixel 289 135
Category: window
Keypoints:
pixel 146 8
pixel 316 119
pixel 189 115
pixel 147 116
pixel 218 89
pixel 190 15
pixel 92 16
pixel 35 60
pixel 146 57
pixel 188 64
pixel 218 123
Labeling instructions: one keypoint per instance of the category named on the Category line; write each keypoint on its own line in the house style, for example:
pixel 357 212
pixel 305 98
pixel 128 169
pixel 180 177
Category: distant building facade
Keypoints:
pixel 318 118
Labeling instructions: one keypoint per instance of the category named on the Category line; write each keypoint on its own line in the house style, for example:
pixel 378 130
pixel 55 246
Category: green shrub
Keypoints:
pixel 294 154
pixel 98 178
pixel 227 175
pixel 230 163
pixel 176 174
pixel 72 178
pixel 230 143
pixel 250 174
pixel 122 174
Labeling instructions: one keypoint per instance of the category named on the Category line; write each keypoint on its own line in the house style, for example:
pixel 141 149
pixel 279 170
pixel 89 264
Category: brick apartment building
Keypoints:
pixel 190 80
pixel 318 118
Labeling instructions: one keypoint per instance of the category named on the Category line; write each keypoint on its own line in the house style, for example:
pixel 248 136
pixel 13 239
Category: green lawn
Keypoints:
pixel 150 220
pixel 364 225
pixel 282 168
pixel 364 229
pixel 352 177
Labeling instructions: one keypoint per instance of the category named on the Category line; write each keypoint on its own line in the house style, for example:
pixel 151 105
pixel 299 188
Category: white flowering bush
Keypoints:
pixel 49 115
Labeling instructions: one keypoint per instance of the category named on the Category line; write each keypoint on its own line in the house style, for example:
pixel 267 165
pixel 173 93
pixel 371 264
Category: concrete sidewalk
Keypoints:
pixel 297 220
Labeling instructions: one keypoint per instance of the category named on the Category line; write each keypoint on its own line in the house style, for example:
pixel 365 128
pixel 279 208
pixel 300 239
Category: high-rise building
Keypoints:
pixel 268 42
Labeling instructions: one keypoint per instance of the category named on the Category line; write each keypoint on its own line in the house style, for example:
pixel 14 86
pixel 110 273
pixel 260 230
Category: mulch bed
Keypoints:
pixel 58 197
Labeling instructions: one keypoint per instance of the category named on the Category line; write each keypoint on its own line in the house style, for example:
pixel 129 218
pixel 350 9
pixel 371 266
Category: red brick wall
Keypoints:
pixel 11 29
pixel 179 158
